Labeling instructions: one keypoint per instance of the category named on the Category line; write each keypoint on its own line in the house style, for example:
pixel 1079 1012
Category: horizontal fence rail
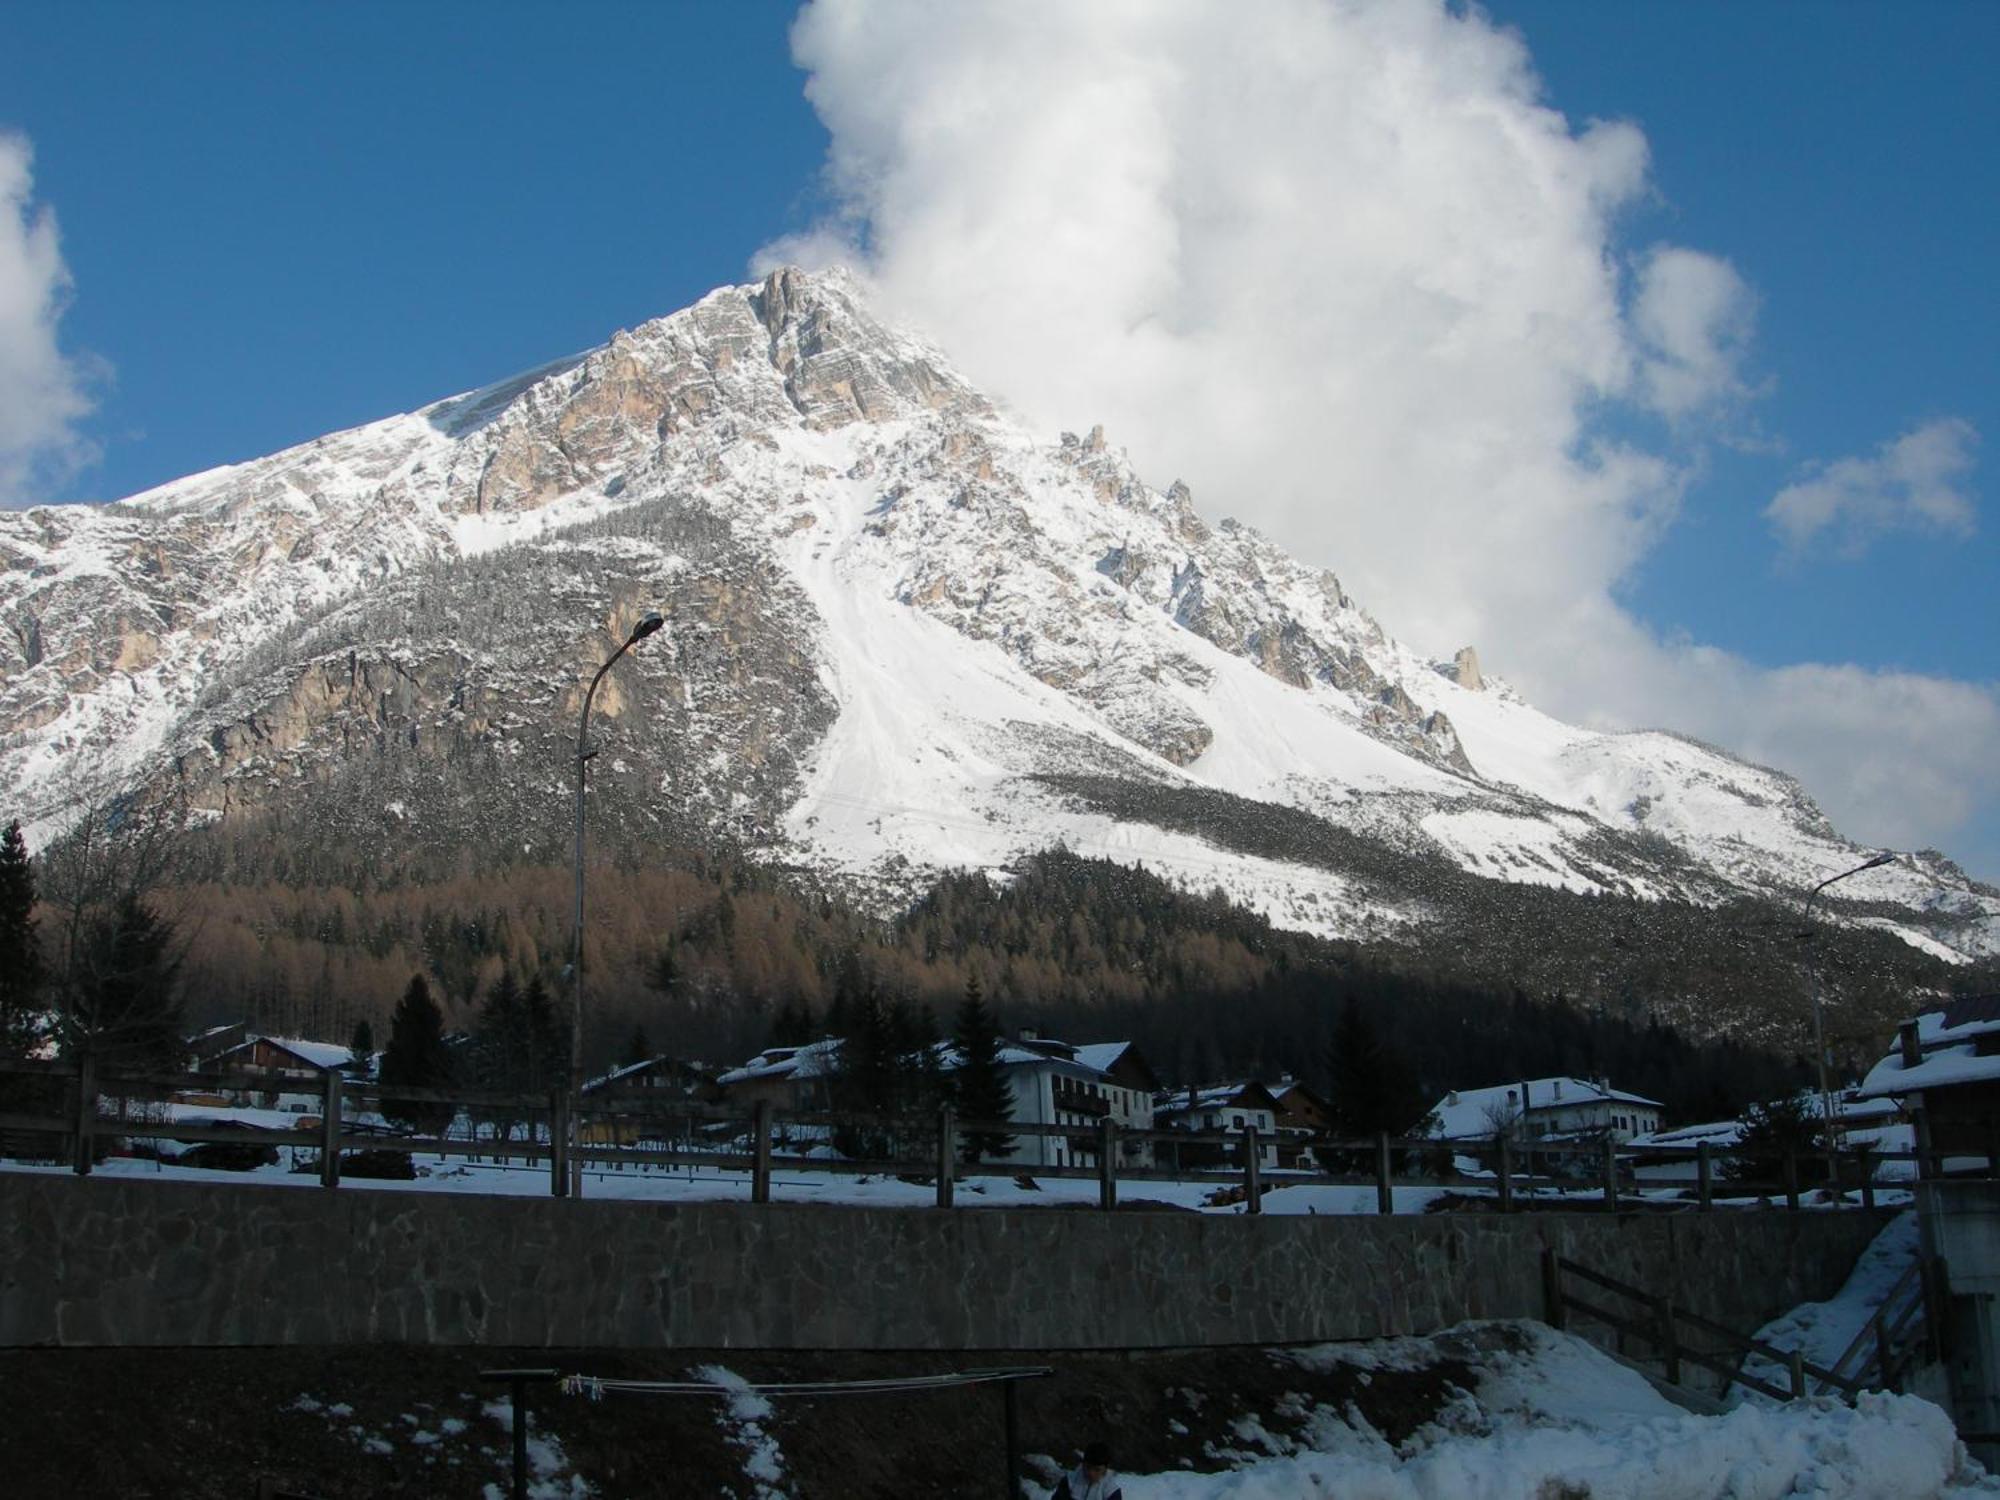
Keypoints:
pixel 70 1112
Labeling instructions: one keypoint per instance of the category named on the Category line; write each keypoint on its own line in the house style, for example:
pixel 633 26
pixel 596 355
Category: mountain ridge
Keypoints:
pixel 894 614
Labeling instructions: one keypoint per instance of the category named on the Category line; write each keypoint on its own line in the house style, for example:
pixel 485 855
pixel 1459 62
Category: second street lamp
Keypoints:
pixel 572 1180
pixel 1819 1022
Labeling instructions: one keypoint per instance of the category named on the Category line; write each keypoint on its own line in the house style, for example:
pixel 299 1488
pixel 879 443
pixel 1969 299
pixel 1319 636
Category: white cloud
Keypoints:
pixel 1693 317
pixel 1339 265
pixel 43 393
pixel 1911 484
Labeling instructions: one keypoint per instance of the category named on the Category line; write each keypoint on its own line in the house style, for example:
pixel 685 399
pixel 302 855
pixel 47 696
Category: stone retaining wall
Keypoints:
pixel 108 1261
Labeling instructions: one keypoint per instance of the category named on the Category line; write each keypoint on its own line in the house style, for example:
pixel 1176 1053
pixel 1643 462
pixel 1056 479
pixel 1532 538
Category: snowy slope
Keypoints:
pixel 1004 630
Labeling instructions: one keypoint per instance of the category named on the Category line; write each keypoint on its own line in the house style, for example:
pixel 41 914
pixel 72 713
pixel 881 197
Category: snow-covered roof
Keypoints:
pixel 325 1056
pixel 1469 1114
pixel 813 1060
pixel 1102 1056
pixel 1213 1096
pixel 1948 1051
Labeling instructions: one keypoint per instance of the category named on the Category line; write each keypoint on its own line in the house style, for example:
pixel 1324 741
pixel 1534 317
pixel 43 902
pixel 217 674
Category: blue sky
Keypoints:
pixel 279 220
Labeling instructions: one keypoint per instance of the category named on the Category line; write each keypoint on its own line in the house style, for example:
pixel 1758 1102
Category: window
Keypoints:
pixel 1238 1120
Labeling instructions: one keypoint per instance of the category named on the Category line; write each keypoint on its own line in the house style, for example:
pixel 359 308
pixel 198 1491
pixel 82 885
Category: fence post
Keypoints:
pixel 1611 1174
pixel 1506 1175
pixel 86 1114
pixel 1882 1352
pixel 1704 1175
pixel 1553 1312
pixel 1253 1187
pixel 1385 1185
pixel 1798 1374
pixel 1923 1134
pixel 1107 1165
pixel 559 1143
pixel 760 1170
pixel 1791 1180
pixel 1867 1161
pixel 1670 1343
pixel 947 1154
pixel 329 1129
pixel 1010 1417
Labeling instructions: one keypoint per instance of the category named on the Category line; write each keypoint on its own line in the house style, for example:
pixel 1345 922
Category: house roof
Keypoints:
pixel 325 1056
pixel 634 1070
pixel 1948 1051
pixel 1468 1114
pixel 1243 1094
pixel 813 1060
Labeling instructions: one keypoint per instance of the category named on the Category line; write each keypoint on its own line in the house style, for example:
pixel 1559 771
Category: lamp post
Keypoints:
pixel 1819 1022
pixel 651 621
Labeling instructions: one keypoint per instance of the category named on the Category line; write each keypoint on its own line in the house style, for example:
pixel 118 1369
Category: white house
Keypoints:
pixel 1055 1083
pixel 1546 1109
pixel 1228 1107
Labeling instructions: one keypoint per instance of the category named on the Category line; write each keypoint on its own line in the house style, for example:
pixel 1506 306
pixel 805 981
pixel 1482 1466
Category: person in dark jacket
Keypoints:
pixel 1092 1479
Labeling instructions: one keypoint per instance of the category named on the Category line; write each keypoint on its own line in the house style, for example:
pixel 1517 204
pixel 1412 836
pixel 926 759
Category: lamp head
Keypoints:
pixel 1880 859
pixel 651 621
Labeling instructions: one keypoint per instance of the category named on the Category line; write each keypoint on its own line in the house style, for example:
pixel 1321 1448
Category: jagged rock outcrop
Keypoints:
pixel 895 614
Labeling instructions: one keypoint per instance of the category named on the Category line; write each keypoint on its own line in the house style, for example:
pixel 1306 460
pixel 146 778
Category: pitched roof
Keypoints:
pixel 1948 1053
pixel 1470 1113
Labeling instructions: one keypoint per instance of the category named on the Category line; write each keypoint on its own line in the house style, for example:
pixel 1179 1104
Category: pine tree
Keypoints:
pixel 416 1058
pixel 362 1047
pixel 547 1039
pixel 125 1005
pixel 22 969
pixel 1375 1090
pixel 637 1048
pixel 981 1091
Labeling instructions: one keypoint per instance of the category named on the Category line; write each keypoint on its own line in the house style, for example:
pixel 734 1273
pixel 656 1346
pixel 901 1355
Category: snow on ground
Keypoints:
pixel 1555 1419
pixel 1823 1330
pixel 742 1422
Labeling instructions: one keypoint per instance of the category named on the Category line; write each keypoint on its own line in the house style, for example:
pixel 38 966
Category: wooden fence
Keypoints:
pixel 75 1115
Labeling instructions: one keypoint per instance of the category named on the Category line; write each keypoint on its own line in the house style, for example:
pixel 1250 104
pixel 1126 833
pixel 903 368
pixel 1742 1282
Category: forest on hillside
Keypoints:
pixel 711 956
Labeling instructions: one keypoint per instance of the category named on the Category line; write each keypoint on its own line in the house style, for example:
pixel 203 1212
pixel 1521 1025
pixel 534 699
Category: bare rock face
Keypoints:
pixel 371 647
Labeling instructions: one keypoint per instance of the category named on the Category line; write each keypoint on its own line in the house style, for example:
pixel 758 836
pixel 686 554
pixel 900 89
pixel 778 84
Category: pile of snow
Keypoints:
pixel 1555 1419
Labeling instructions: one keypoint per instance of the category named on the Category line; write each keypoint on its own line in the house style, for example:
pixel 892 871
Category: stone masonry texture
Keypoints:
pixel 107 1262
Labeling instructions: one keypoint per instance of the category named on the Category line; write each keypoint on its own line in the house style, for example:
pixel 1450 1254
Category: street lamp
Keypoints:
pixel 651 621
pixel 1819 1022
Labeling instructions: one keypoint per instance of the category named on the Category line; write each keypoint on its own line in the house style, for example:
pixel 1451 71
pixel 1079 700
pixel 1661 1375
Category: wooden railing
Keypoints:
pixel 1887 1344
pixel 633 1128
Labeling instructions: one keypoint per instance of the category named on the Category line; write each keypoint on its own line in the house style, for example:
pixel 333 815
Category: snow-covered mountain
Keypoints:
pixel 906 634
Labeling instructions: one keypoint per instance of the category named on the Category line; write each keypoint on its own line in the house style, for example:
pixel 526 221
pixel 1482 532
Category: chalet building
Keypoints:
pixel 1946 1063
pixel 795 1080
pixel 292 1065
pixel 1557 1109
pixel 622 1105
pixel 1055 1083
pixel 1301 1114
pixel 1228 1107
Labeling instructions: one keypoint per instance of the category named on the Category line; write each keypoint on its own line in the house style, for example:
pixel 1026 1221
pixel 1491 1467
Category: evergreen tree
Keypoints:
pixel 547 1039
pixel 22 970
pixel 980 1089
pixel 1789 1126
pixel 125 1001
pixel 416 1058
pixel 362 1047
pixel 1375 1089
pixel 637 1048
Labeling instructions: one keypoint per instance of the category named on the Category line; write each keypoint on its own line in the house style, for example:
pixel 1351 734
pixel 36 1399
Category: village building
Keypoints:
pixel 1946 1064
pixel 1301 1115
pixel 1546 1109
pixel 794 1080
pixel 287 1065
pixel 1230 1108
pixel 1055 1083
pixel 623 1107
